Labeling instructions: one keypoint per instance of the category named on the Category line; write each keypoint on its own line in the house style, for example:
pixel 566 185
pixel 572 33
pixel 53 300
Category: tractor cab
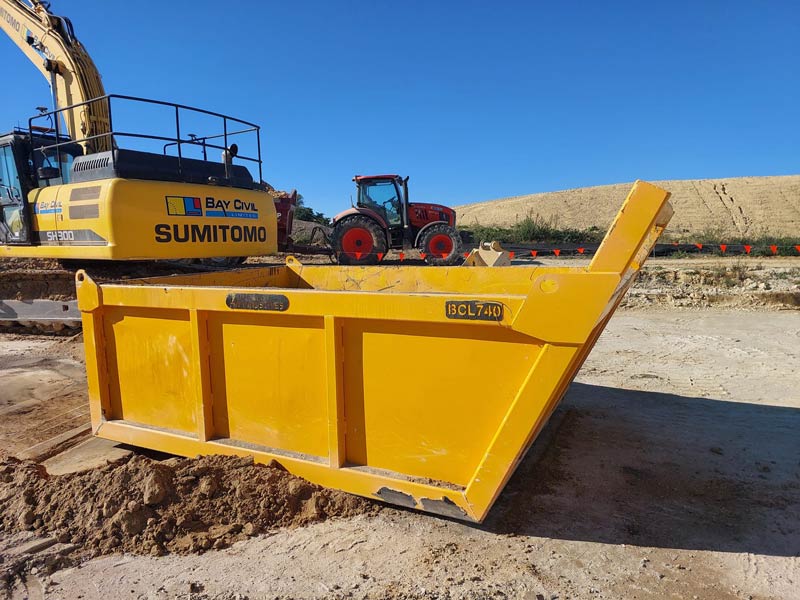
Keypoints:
pixel 387 195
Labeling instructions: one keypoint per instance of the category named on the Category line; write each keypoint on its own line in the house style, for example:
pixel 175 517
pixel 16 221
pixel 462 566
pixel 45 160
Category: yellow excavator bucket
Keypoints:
pixel 353 377
pixel 488 254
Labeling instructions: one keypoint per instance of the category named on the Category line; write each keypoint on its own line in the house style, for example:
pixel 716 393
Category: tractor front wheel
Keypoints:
pixel 441 245
pixel 359 241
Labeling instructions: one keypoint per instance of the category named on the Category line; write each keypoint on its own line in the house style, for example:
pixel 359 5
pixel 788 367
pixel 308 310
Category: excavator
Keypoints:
pixel 72 188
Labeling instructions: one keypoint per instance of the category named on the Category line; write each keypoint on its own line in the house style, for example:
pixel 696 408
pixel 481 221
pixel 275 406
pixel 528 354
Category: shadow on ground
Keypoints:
pixel 652 469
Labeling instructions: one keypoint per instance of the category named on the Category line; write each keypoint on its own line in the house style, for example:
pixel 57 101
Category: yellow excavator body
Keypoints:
pixel 128 219
pixel 354 377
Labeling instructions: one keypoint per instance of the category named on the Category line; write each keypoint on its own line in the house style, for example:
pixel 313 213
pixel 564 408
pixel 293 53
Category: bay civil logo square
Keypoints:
pixel 184 206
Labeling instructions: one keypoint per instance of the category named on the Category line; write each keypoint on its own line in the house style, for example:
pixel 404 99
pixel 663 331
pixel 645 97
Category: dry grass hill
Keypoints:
pixel 737 207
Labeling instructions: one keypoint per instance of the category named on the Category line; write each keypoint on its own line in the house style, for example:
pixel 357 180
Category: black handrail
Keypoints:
pixel 177 140
pixel 200 141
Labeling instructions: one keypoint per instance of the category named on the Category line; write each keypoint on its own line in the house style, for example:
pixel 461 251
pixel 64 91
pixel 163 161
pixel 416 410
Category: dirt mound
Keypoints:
pixel 744 206
pixel 179 505
pixel 301 230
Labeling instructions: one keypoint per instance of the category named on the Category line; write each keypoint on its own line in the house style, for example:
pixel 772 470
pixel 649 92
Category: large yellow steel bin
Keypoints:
pixel 420 386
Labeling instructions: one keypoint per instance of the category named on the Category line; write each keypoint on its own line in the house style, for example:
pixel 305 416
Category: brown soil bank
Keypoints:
pixel 46 279
pixel 742 206
pixel 179 505
pixel 33 284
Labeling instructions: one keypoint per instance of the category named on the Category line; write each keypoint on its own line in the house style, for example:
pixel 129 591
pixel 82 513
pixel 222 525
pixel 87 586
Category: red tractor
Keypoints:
pixel 383 219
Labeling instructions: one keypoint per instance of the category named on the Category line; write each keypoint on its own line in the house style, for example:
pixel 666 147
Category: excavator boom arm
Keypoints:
pixel 50 44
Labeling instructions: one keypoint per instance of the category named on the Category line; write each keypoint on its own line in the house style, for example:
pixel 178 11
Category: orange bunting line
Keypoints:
pixel 359 255
pixel 422 255
pixel 747 249
pixel 466 254
pixel 557 252
pixel 774 249
pixel 402 256
pixel 511 254
pixel 380 255
pixel 699 246
pixel 723 247
pixel 581 250
pixel 797 248
pixel 534 253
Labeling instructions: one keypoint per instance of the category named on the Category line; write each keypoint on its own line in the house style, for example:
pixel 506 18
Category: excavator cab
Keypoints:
pixel 23 170
pixel 14 221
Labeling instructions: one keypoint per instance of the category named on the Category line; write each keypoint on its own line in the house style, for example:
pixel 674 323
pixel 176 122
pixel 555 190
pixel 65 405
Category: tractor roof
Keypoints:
pixel 361 177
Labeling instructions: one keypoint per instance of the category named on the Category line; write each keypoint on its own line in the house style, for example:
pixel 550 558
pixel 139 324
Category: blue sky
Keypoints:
pixel 473 100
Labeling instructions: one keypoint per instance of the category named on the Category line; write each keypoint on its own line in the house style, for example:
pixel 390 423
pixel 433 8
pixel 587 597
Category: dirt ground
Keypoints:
pixel 671 470
pixel 42 392
pixel 741 206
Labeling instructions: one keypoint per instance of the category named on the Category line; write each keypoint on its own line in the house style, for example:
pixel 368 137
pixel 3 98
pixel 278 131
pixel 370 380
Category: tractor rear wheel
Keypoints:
pixel 359 241
pixel 441 245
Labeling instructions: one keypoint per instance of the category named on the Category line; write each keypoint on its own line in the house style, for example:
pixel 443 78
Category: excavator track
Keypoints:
pixel 38 296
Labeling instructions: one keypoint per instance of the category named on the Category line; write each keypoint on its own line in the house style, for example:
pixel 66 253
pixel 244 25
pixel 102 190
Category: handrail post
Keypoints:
pixel 110 125
pixel 178 133
pixel 225 153
pixel 258 144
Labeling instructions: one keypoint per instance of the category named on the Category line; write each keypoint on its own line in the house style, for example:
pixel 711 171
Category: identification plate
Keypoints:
pixel 274 302
pixel 473 310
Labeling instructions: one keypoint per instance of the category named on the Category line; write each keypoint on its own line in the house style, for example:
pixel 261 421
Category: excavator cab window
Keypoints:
pixel 383 197
pixel 12 218
pixel 52 160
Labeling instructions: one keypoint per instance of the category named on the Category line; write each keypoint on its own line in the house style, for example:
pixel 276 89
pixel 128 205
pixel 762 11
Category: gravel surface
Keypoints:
pixel 670 471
